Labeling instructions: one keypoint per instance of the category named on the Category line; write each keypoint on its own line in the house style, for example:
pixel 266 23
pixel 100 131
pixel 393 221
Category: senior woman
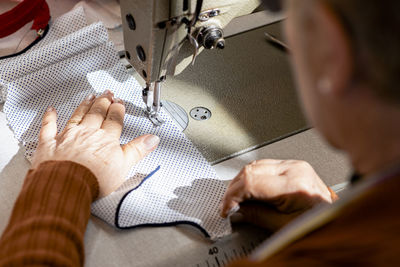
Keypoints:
pixel 346 60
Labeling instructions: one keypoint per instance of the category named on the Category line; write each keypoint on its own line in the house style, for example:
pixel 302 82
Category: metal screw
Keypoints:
pixel 131 22
pixel 162 25
pixel 204 17
pixel 140 52
pixel 214 13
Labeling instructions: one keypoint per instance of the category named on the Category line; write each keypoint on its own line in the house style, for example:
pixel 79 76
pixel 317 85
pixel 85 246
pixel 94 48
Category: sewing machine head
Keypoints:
pixel 163 37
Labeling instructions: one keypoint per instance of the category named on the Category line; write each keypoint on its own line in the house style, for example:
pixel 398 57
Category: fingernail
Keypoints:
pixel 151 141
pixel 50 109
pixel 233 210
pixel 117 100
pixel 107 92
pixel 90 97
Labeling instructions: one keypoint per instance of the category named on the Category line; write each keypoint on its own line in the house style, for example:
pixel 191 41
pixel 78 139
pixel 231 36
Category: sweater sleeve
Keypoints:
pixel 49 218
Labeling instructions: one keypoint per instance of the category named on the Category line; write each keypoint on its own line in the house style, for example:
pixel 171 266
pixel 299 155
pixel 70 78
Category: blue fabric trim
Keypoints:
pixel 152 224
pixel 116 221
pixel 165 225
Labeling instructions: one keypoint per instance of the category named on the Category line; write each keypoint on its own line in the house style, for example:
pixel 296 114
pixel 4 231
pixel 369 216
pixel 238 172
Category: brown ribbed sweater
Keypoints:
pixel 49 218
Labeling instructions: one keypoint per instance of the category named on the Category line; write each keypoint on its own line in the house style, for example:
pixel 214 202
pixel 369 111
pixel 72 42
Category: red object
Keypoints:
pixel 28 10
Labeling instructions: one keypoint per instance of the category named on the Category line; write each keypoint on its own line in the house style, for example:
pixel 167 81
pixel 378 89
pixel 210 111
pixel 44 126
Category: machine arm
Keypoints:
pixel 156 31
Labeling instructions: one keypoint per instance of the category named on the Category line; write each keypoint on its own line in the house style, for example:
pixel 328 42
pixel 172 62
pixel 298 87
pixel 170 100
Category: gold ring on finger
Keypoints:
pixel 73 122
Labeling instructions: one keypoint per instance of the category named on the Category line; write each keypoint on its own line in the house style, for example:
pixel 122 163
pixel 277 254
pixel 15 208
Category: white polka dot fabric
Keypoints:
pixel 13 67
pixel 74 60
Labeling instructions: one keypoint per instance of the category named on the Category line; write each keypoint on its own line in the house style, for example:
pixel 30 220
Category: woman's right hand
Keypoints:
pixel 91 138
pixel 273 192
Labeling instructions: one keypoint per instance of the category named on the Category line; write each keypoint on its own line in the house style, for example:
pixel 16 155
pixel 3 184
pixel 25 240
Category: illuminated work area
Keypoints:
pixel 199 133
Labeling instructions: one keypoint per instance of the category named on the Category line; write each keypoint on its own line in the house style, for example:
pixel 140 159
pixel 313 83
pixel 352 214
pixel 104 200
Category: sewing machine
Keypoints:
pixel 163 37
pixel 164 44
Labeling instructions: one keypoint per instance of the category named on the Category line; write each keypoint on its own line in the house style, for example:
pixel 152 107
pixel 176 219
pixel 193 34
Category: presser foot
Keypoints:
pixel 154 117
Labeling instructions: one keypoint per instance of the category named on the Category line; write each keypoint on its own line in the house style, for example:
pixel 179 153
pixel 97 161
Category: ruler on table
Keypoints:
pixel 236 246
pixel 218 256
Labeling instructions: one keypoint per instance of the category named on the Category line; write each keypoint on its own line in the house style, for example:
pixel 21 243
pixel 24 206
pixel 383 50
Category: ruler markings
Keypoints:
pixel 217 261
pixel 222 256
pixel 244 251
pixel 236 255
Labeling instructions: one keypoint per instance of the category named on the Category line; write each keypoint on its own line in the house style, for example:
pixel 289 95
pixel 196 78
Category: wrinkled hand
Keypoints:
pixel 273 192
pixel 91 138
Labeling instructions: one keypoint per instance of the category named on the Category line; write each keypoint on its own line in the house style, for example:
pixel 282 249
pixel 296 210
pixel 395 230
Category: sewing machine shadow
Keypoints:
pixel 189 204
